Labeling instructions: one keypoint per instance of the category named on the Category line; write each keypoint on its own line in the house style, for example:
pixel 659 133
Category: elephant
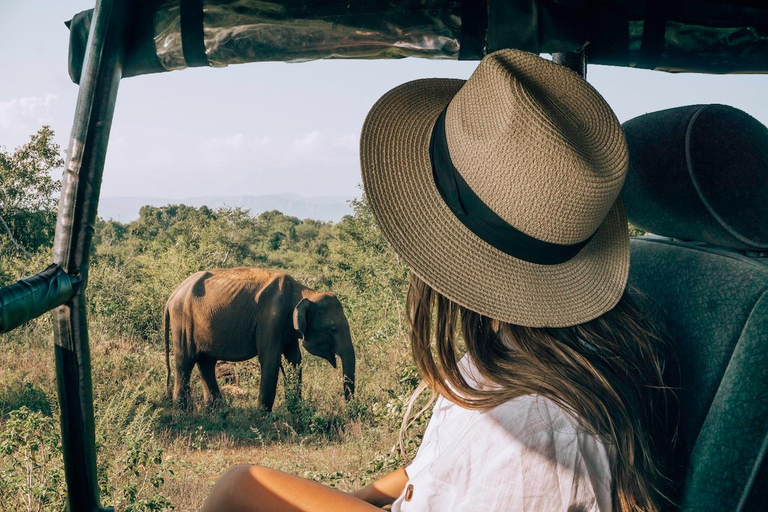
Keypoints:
pixel 235 314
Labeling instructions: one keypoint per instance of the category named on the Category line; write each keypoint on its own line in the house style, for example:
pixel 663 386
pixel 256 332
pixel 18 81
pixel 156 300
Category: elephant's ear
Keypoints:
pixel 300 316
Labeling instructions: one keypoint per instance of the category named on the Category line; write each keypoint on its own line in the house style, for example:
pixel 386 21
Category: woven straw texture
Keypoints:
pixel 542 149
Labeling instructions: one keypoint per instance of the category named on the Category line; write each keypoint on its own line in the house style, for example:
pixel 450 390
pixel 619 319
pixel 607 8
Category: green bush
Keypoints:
pixel 31 470
pixel 19 394
pixel 132 470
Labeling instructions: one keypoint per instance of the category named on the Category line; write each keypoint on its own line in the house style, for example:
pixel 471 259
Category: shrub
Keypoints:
pixel 132 470
pixel 31 470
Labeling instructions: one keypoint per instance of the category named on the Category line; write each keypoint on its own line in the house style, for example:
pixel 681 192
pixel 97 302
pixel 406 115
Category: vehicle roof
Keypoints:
pixel 711 36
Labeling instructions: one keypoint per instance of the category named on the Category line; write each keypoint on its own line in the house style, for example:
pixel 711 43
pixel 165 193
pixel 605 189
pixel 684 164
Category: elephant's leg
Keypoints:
pixel 293 356
pixel 181 392
pixel 211 392
pixel 270 370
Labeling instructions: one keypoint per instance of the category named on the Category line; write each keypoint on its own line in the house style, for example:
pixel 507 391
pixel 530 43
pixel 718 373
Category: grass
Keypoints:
pixel 155 457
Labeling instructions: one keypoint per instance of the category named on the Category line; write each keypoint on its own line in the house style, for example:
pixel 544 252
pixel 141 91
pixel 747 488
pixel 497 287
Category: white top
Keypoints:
pixel 526 455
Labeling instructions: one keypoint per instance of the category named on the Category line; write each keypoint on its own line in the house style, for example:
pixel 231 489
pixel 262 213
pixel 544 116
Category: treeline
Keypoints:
pixel 135 266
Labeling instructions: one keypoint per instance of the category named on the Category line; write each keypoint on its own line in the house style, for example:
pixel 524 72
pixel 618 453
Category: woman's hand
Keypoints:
pixel 385 490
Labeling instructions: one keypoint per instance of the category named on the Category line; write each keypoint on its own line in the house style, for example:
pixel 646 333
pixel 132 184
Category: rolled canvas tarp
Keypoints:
pixel 717 36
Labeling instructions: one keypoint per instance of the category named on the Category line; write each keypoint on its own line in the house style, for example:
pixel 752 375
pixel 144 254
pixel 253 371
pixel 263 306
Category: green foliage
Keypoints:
pixel 148 467
pixel 131 466
pixel 635 231
pixel 23 393
pixel 331 479
pixel 31 474
pixel 28 194
pixel 372 275
pixel 132 471
pixel 136 266
pixel 305 416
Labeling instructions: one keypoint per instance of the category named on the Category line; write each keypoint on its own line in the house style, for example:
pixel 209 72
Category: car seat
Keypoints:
pixel 698 180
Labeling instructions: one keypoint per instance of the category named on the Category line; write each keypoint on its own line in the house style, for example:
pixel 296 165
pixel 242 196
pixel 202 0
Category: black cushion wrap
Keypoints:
pixel 699 173
pixel 140 54
pixel 192 36
pixel 34 295
pixel 715 304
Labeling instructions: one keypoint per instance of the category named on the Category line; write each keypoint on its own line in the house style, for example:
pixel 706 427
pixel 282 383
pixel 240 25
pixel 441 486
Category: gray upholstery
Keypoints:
pixel 715 306
pixel 694 174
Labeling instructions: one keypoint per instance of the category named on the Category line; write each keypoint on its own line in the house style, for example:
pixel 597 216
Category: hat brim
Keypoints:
pixel 439 249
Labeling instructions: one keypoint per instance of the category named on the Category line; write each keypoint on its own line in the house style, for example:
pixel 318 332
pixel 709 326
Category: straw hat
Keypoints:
pixel 518 218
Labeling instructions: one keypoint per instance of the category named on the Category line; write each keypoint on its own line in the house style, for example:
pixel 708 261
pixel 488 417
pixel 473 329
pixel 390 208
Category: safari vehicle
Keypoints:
pixel 706 267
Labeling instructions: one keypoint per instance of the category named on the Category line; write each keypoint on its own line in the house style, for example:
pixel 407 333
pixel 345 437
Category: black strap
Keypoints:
pixel 474 23
pixel 480 219
pixel 654 34
pixel 192 39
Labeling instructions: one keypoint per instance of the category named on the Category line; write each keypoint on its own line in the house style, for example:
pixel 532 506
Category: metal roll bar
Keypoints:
pixel 72 245
pixel 62 285
pixel 575 61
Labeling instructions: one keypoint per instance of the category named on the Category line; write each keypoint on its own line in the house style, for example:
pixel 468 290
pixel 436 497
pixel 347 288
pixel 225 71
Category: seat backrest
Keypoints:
pixel 701 173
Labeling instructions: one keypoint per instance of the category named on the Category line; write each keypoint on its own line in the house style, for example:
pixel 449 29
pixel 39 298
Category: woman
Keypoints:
pixel 501 195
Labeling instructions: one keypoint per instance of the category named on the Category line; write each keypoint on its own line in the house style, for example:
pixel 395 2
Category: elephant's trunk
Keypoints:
pixel 348 367
pixel 347 354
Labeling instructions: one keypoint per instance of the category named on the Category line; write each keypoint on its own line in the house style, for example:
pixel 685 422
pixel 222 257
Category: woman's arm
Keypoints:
pixel 258 489
pixel 385 490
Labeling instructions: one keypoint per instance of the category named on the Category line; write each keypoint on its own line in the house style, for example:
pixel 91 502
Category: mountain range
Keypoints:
pixel 325 208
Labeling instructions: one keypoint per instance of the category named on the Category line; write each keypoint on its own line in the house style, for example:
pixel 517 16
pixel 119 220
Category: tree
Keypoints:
pixel 365 259
pixel 28 193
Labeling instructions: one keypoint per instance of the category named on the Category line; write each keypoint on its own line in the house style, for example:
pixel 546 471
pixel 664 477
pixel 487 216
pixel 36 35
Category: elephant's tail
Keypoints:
pixel 166 329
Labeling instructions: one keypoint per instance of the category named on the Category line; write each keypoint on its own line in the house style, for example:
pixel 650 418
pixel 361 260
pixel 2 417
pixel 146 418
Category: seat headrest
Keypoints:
pixel 699 173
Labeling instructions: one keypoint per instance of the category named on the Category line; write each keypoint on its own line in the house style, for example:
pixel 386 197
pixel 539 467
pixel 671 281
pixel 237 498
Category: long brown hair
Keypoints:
pixel 607 372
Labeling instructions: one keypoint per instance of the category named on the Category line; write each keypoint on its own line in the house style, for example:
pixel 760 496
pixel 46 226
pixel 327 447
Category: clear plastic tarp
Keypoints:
pixel 291 32
pixel 717 36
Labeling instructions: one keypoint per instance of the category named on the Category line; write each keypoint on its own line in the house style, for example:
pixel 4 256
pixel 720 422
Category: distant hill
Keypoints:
pixel 326 208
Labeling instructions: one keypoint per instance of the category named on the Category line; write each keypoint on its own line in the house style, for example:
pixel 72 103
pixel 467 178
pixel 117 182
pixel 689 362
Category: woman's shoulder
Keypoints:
pixel 525 415
pixel 532 415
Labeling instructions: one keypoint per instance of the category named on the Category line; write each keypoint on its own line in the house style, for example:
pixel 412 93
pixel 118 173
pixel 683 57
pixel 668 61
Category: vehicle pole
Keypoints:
pixel 575 61
pixel 81 183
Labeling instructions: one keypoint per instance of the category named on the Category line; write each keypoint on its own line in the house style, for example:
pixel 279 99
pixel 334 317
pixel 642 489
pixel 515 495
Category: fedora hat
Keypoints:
pixel 500 192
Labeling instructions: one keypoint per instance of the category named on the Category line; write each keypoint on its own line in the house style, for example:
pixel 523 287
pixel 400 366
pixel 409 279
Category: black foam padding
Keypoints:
pixel 33 296
pixel 699 172
pixel 140 55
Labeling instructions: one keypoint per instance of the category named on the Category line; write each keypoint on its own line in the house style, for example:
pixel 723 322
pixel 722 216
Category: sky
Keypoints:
pixel 264 128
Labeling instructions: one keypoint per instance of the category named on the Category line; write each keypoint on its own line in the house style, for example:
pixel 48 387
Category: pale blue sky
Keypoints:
pixel 262 128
